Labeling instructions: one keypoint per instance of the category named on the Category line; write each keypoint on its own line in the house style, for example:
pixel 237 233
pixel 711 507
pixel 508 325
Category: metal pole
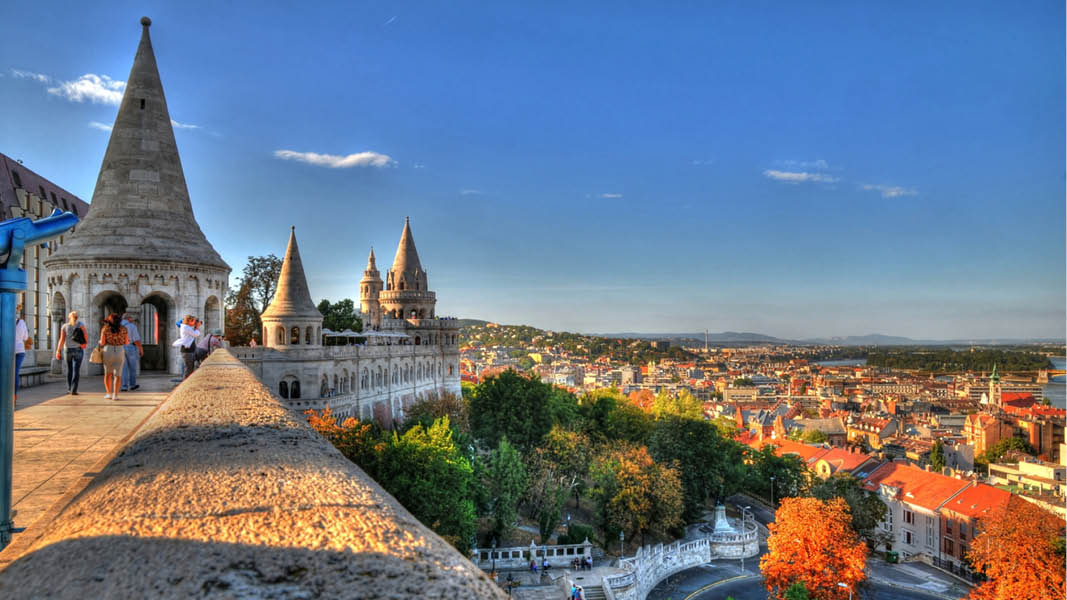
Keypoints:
pixel 7 404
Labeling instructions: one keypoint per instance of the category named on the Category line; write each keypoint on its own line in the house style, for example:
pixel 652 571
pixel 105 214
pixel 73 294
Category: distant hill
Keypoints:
pixel 725 336
pixel 471 322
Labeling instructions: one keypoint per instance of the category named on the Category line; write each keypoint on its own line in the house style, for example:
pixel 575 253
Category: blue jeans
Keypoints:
pixel 21 356
pixel 74 367
pixel 129 374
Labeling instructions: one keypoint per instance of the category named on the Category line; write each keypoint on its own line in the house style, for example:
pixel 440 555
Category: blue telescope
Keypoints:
pixel 15 236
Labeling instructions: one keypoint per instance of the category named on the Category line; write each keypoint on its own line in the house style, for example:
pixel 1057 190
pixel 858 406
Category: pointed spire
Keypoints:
pixel 406 261
pixel 371 266
pixel 292 298
pixel 994 376
pixel 140 209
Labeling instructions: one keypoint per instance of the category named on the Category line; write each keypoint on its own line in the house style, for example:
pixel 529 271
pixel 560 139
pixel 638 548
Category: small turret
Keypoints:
pixel 369 288
pixel 292 318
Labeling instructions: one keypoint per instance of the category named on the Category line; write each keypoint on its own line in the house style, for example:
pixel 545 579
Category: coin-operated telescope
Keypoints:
pixel 15 236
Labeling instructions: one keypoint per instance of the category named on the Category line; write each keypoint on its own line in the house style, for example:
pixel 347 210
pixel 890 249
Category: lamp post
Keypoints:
pixel 848 587
pixel 744 530
pixel 772 491
pixel 494 559
pixel 622 537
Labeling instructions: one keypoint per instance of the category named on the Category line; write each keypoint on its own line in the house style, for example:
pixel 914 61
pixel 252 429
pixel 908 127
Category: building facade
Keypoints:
pixel 401 361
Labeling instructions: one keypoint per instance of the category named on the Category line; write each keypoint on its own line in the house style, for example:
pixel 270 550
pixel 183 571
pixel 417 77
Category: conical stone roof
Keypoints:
pixel 292 298
pixel 140 209
pixel 406 263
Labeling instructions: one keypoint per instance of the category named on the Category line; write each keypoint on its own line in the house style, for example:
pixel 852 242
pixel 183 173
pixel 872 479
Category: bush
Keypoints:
pixel 576 535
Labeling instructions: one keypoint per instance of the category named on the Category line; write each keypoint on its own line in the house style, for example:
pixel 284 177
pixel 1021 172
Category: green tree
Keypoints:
pixel 1004 446
pixel 797 591
pixel 682 404
pixel 813 436
pixel 710 465
pixel 250 297
pixel 547 492
pixel 506 484
pixel 609 416
pixel 937 456
pixel 867 509
pixel 727 427
pixel 789 473
pixel 570 452
pixel 340 315
pixel 635 494
pixel 744 382
pixel 512 405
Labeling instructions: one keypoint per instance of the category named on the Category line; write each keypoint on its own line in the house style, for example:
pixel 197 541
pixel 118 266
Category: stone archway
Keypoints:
pixel 104 304
pixel 212 314
pixel 158 329
pixel 59 318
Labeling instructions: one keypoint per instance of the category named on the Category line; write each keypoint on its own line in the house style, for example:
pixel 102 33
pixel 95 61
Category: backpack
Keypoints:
pixel 79 334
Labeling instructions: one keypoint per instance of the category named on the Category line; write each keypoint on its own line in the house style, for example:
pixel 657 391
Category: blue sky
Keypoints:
pixel 795 169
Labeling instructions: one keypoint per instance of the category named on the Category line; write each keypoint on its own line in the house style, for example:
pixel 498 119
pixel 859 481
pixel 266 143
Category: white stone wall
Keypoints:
pixel 182 289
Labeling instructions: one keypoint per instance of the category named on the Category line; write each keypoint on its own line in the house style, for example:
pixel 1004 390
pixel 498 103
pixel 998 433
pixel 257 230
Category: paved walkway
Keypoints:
pixel 62 440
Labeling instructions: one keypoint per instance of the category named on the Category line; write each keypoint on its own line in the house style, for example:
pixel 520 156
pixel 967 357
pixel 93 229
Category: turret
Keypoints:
pixel 292 318
pixel 369 288
pixel 407 293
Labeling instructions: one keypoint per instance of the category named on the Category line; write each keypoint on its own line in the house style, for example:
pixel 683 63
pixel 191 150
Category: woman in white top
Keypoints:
pixel 186 343
pixel 22 333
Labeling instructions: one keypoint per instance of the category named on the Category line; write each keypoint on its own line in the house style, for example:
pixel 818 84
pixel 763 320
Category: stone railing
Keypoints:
pixel 225 492
pixel 519 557
pixel 652 564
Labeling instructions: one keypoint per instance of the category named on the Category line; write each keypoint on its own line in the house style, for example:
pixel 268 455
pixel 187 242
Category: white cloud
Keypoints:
pixel 38 77
pixel 819 164
pixel 418 166
pixel 334 161
pixel 470 192
pixel 795 177
pixel 610 196
pixel 890 191
pixel 98 89
pixel 178 125
pixel 99 125
pixel 701 162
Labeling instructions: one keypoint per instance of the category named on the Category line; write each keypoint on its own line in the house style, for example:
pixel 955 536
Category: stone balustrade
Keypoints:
pixel 518 557
pixel 652 564
pixel 225 492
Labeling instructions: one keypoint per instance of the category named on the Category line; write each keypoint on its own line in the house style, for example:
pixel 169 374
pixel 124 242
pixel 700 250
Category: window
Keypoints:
pixel 907 537
pixel 294 389
pixel 283 389
pixel 948 527
pixel 42 196
pixel 963 550
pixel 963 531
pixel 909 517
pixel 294 336
pixel 18 180
pixel 930 531
pixel 142 103
pixel 948 547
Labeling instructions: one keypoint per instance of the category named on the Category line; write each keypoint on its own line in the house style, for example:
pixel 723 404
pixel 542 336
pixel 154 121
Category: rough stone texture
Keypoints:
pixel 140 242
pixel 226 493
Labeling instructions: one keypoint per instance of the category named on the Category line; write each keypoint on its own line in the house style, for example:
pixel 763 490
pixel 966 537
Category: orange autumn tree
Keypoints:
pixel 1020 550
pixel 812 542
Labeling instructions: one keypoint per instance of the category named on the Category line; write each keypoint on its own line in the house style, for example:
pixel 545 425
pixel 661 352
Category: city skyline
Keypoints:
pixel 583 171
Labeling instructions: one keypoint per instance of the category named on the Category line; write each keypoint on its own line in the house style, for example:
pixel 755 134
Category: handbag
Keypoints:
pixel 79 334
pixel 97 356
pixel 28 343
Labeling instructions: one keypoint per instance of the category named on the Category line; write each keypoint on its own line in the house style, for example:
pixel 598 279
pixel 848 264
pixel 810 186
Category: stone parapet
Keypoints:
pixel 225 492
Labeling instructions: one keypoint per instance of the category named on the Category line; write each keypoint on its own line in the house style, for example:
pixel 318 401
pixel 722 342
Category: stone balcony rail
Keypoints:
pixel 226 493
pixel 559 556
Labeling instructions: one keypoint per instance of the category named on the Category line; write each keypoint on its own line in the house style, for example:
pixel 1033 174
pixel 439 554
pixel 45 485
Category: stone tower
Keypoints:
pixel 406 294
pixel 994 388
pixel 139 249
pixel 369 289
pixel 292 318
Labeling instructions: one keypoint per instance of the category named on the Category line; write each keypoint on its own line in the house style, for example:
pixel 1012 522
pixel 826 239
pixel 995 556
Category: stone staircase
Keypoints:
pixel 594 592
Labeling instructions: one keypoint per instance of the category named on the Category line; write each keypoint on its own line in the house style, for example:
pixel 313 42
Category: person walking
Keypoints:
pixel 22 336
pixel 134 351
pixel 113 339
pixel 73 338
pixel 186 343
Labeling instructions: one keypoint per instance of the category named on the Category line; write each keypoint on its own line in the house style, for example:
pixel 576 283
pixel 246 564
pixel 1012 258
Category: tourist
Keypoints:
pixel 589 562
pixel 207 344
pixel 113 339
pixel 134 351
pixel 253 343
pixel 189 327
pixel 73 338
pixel 22 342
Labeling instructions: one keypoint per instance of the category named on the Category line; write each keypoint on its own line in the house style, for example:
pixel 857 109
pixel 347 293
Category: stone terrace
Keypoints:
pixel 225 492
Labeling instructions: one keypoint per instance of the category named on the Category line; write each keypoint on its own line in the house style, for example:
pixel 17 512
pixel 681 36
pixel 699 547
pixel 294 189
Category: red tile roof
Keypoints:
pixel 841 460
pixel 978 501
pixel 918 487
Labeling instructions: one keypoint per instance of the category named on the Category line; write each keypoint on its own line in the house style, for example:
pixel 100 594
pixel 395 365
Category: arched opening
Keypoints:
pixel 449 370
pixel 333 390
pixel 157 332
pixel 324 386
pixel 212 314
pixel 418 340
pixel 59 319
pixel 294 336
pixel 294 389
pixel 279 336
pixel 283 389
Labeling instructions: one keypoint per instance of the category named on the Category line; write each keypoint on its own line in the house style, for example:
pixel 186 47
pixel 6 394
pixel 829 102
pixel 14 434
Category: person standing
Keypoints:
pixel 113 339
pixel 134 351
pixel 73 338
pixel 186 343
pixel 207 344
pixel 22 336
